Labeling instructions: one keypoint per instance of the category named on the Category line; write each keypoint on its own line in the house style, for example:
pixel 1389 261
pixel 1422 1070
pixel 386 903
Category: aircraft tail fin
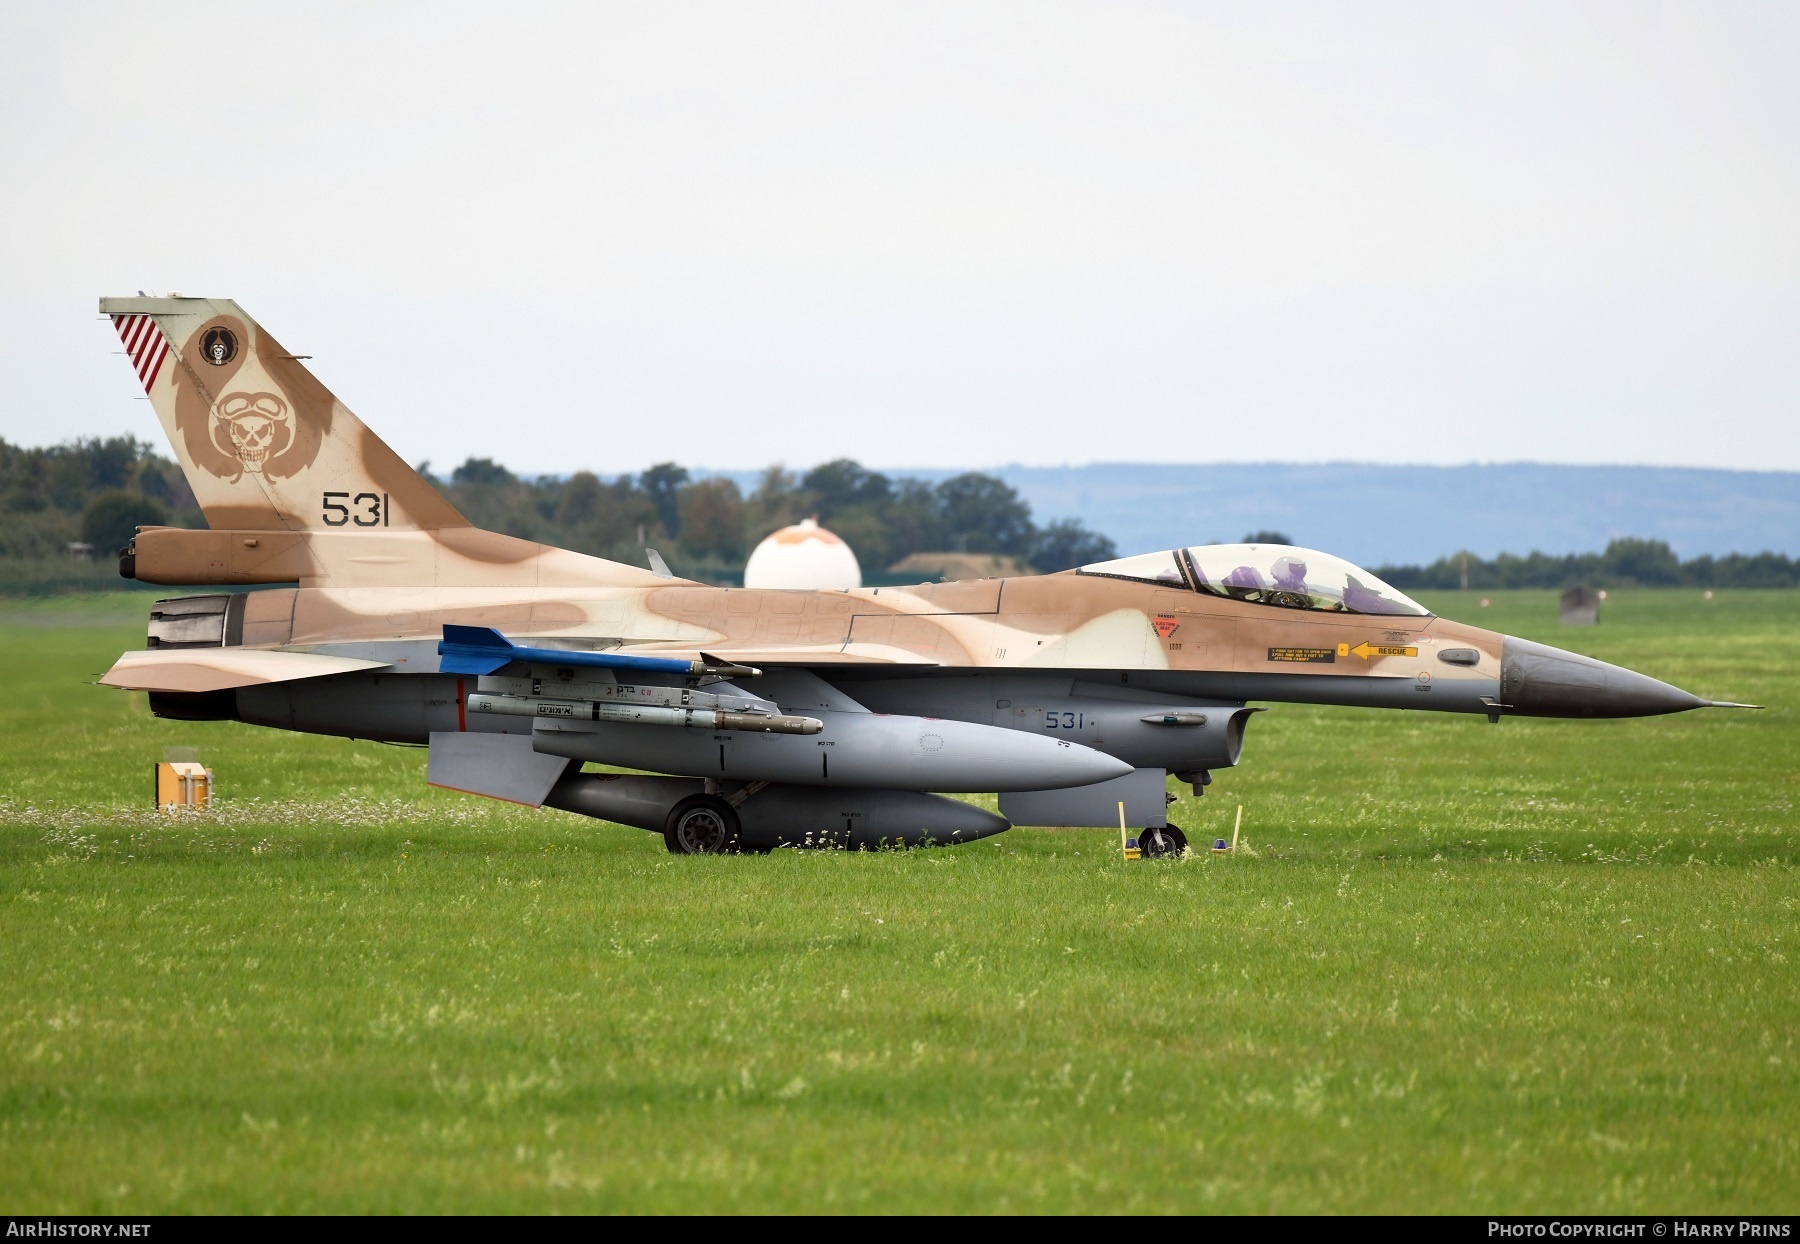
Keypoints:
pixel 265 445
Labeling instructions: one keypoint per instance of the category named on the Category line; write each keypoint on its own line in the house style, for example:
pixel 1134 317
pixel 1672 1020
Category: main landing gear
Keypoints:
pixel 702 825
pixel 1166 843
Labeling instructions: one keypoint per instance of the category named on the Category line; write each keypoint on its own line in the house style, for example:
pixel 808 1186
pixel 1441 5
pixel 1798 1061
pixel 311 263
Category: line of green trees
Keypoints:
pixel 94 491
pixel 707 527
pixel 1625 563
pixel 97 491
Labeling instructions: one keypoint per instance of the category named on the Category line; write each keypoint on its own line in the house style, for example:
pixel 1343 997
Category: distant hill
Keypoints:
pixel 1414 514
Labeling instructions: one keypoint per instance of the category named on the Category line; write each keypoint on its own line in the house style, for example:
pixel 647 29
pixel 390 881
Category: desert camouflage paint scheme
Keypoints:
pixel 1090 686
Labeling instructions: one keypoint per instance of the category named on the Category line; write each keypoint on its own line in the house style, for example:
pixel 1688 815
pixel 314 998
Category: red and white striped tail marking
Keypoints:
pixel 145 343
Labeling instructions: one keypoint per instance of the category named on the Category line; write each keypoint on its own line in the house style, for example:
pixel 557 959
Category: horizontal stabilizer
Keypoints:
pixel 219 669
pixel 483 650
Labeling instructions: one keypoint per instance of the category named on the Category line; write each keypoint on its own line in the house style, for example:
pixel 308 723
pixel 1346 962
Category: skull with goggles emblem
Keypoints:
pixel 254 427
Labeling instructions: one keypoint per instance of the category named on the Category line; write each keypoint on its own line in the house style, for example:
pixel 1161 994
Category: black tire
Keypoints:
pixel 701 825
pixel 1166 843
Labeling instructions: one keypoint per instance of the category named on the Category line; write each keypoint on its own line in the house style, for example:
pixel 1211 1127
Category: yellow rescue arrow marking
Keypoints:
pixel 1368 651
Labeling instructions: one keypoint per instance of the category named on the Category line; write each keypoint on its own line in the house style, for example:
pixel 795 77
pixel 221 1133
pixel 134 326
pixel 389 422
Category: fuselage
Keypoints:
pixel 952 650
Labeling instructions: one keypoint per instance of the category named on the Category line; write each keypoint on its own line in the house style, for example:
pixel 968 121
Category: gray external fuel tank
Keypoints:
pixel 785 816
pixel 868 750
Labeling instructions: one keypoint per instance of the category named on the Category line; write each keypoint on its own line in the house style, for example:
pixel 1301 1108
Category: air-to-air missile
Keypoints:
pixel 757 718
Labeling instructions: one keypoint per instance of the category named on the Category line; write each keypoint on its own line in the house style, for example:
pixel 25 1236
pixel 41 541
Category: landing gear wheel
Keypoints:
pixel 701 825
pixel 1167 843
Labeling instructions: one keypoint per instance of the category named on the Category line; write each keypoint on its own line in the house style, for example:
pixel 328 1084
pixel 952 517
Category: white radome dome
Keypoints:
pixel 803 556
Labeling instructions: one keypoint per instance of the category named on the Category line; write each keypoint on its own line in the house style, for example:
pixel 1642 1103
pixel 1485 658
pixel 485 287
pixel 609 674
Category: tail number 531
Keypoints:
pixel 365 509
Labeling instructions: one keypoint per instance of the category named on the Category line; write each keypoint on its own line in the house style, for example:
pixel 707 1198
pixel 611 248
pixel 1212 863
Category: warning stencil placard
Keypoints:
pixel 1320 656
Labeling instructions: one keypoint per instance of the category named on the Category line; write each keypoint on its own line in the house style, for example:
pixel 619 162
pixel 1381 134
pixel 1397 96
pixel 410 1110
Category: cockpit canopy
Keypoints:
pixel 1266 574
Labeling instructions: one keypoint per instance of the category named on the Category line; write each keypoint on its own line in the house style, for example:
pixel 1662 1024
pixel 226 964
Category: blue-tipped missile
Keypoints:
pixel 484 650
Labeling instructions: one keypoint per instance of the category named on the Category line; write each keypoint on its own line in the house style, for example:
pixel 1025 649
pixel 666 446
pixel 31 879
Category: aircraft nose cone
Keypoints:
pixel 1537 680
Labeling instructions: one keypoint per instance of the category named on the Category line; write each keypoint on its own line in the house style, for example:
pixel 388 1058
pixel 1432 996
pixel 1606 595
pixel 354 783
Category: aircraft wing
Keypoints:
pixel 217 669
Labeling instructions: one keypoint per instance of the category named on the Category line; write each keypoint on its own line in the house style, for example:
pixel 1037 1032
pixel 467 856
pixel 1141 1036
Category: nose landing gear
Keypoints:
pixel 1166 843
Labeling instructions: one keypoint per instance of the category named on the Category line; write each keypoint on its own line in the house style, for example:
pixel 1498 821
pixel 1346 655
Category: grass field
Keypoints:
pixel 1540 966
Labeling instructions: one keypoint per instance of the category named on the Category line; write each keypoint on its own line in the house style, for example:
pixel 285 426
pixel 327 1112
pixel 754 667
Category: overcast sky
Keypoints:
pixel 963 235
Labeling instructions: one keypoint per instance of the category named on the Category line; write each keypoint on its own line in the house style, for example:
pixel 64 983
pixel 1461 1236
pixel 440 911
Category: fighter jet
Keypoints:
pixel 744 719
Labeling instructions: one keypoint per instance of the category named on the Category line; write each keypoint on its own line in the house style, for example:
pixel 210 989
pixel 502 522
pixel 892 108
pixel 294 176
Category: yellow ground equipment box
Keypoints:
pixel 182 784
